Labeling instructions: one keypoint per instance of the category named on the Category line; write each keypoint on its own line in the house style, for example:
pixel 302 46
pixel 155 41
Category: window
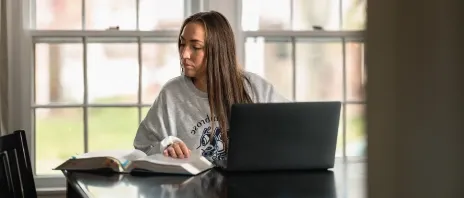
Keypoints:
pixel 89 70
pixel 95 68
pixel 91 91
pixel 312 50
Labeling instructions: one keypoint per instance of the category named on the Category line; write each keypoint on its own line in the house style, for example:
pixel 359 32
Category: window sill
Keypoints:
pixel 51 191
pixel 50 183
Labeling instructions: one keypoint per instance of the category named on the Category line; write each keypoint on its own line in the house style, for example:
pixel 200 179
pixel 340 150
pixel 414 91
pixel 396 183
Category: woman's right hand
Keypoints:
pixel 177 150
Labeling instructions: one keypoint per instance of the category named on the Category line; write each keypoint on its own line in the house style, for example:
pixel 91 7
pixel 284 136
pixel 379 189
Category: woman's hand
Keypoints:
pixel 177 150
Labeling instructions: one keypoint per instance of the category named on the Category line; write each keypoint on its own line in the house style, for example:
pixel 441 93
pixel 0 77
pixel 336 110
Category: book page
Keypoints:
pixel 163 160
pixel 123 156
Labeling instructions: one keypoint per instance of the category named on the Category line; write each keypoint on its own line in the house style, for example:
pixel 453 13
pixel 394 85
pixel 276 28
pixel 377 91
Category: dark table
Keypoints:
pixel 345 180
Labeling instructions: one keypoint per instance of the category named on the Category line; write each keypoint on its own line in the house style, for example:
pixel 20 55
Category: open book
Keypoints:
pixel 130 161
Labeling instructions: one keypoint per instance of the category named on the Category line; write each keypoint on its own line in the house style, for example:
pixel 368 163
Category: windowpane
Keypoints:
pixel 355 130
pixel 112 73
pixel 160 63
pixel 262 15
pixel 58 14
pixel 302 14
pixel 271 60
pixel 319 69
pixel 145 111
pixel 112 128
pixel 355 73
pixel 58 73
pixel 319 66
pixel 310 13
pixel 59 134
pixel 354 14
pixel 161 14
pixel 103 14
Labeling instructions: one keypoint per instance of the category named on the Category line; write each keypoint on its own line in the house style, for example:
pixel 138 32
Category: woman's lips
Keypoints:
pixel 188 66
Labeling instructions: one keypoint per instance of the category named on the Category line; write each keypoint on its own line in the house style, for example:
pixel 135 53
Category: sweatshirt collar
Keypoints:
pixel 191 86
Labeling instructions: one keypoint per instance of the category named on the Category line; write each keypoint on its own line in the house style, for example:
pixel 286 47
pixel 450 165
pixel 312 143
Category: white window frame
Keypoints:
pixel 20 62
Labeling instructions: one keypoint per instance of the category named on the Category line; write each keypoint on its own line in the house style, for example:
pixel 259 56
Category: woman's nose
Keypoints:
pixel 185 53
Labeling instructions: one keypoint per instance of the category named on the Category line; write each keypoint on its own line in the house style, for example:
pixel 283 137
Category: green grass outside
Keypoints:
pixel 59 135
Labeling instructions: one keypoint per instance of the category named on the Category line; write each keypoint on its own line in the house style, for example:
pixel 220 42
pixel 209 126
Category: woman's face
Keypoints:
pixel 192 50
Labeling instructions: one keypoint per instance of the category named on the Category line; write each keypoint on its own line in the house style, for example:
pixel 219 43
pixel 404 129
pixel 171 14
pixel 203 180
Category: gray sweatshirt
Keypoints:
pixel 181 113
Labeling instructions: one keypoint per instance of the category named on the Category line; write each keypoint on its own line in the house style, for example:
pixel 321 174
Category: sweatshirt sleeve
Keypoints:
pixel 155 133
pixel 272 95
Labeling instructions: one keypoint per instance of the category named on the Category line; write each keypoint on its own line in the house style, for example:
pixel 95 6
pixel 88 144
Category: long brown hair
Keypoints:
pixel 225 79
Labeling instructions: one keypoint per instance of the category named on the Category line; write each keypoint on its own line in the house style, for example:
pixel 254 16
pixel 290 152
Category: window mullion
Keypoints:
pixel 140 68
pixel 293 43
pixel 33 14
pixel 137 14
pixel 292 14
pixel 83 18
pixel 239 34
pixel 194 6
pixel 344 95
pixel 340 14
pixel 232 11
pixel 190 7
pixel 102 33
pixel 305 33
pixel 51 106
pixel 86 98
pixel 205 5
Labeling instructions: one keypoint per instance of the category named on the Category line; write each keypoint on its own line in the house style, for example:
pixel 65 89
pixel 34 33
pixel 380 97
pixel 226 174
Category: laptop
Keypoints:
pixel 282 136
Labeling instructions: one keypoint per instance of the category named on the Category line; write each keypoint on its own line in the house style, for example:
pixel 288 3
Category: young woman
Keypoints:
pixel 191 112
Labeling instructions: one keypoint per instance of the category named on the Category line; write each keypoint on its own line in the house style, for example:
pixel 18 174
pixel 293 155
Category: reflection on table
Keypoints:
pixel 338 182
